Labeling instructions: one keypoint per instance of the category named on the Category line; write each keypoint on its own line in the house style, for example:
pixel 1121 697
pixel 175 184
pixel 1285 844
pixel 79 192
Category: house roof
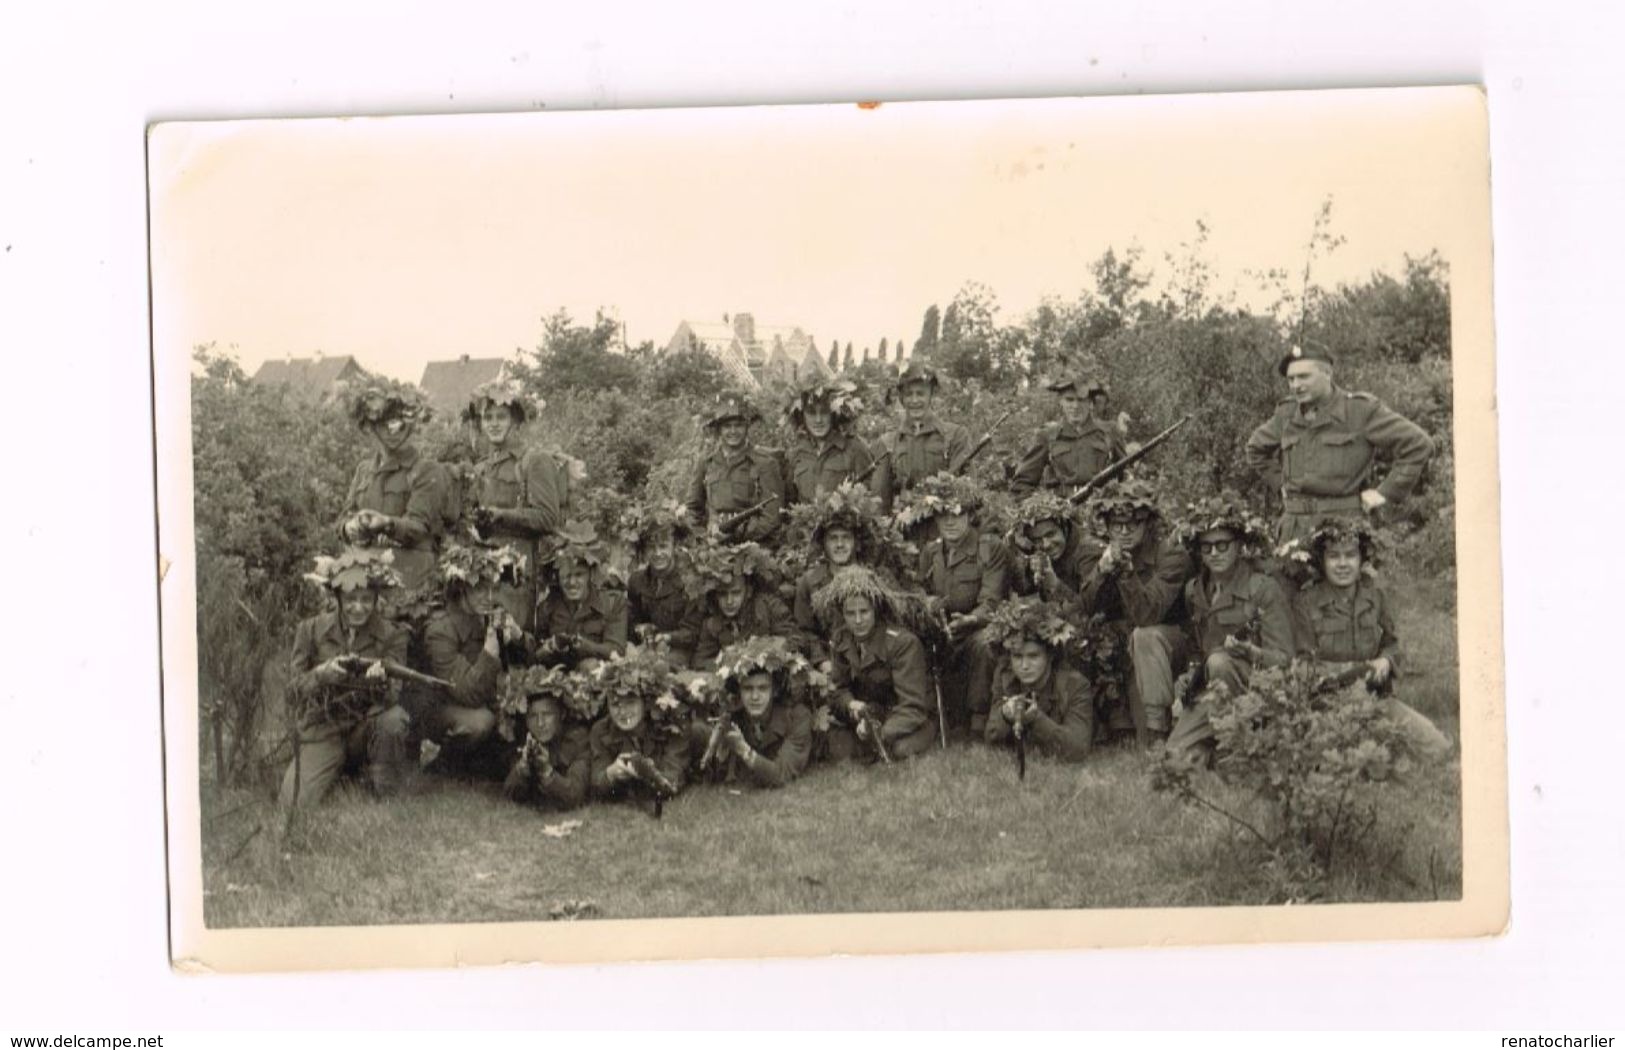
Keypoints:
pixel 309 375
pixel 448 385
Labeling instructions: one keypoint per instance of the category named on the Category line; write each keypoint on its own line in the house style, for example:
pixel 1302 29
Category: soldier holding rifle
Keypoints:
pixel 1080 445
pixel 736 476
pixel 922 444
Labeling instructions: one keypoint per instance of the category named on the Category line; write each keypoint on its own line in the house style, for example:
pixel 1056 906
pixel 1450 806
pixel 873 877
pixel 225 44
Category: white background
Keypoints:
pixel 80 763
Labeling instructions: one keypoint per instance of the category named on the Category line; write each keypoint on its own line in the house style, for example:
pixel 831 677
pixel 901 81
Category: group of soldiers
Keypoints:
pixel 829 601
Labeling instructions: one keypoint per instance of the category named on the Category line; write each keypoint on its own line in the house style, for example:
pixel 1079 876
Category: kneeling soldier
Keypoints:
pixel 886 699
pixel 640 745
pixel 1052 556
pixel 1036 695
pixel 1239 616
pixel 1344 620
pixel 657 598
pixel 844 527
pixel 580 619
pixel 341 692
pixel 552 767
pixel 733 593
pixel 761 735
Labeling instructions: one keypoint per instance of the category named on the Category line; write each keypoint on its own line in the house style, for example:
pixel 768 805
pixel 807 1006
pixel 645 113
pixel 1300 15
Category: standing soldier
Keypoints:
pixel 824 452
pixel 1135 580
pixel 1080 445
pixel 922 444
pixel 342 697
pixel 398 499
pixel 735 475
pixel 1239 615
pixel 657 597
pixel 1321 443
pixel 521 495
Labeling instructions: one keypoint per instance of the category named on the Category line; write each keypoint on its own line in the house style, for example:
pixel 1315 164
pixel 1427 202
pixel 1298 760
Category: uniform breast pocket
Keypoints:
pixel 1345 454
pixel 397 491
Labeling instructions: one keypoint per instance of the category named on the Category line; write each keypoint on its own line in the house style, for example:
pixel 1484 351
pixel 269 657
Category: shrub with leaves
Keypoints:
pixel 1314 751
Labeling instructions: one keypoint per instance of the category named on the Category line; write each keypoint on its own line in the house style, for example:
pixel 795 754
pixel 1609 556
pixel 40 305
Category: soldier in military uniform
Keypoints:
pixel 520 495
pixel 580 618
pixel 1343 618
pixel 347 712
pixel 767 740
pixel 880 669
pixel 922 444
pixel 1135 579
pixel 398 499
pixel 553 764
pixel 639 747
pixel 843 527
pixel 734 599
pixel 1051 553
pixel 735 475
pixel 1239 616
pixel 1034 687
pixel 1074 449
pixel 1321 444
pixel 824 452
pixel 657 596
pixel 968 569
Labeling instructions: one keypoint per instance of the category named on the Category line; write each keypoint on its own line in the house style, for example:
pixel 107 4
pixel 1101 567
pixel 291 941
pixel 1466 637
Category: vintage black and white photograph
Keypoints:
pixel 1074 511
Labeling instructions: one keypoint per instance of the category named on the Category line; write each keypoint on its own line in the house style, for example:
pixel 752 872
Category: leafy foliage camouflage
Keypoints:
pixel 1015 621
pixel 478 567
pixel 356 568
pixel 506 391
pixel 842 397
pixel 375 399
pixel 892 603
pixel 941 493
pixel 643 671
pixel 1303 559
pixel 1224 511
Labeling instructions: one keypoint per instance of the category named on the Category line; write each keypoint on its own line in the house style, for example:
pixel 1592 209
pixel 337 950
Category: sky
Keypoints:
pixel 403 240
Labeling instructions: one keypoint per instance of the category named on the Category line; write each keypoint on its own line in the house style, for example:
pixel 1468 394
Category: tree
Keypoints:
pixel 575 358
pixel 899 357
pixel 846 359
pixel 835 355
pixel 930 332
pixel 882 352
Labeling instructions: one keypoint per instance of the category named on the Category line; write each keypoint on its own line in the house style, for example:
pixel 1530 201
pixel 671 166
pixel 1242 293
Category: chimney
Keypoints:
pixel 745 328
pixel 464 359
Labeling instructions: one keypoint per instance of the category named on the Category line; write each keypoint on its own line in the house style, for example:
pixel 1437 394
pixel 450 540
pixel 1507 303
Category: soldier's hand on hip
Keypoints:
pixel 1371 499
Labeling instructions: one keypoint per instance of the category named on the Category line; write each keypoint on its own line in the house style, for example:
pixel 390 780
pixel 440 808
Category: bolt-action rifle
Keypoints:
pixel 871 729
pixel 357 665
pixel 1114 470
pixel 734 521
pixel 652 778
pixel 976 449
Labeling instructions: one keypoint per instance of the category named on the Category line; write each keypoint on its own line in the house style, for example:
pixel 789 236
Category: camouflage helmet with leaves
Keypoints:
pixel 941 493
pixel 842 397
pixel 1304 558
pixel 1124 498
pixel 356 568
pixel 891 603
pixel 770 653
pixel 916 371
pixel 1018 619
pixel 644 522
pixel 1041 506
pixel 1086 383
pixel 731 405
pixel 1228 511
pixel 643 672
pixel 375 400
pixel 507 391
pixel 464 565
pixel 850 506
pixel 576 543
pixel 717 565
pixel 522 686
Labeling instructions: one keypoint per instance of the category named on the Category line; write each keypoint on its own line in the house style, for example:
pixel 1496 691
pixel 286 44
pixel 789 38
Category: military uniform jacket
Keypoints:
pixel 1065 726
pixel 782 745
pixel 1145 594
pixel 1331 455
pixel 1252 596
pixel 660 600
pixel 599 620
pixel 888 672
pixel 669 751
pixel 1070 568
pixel 1065 456
pixel 725 484
pixel 409 487
pixel 762 614
pixel 322 637
pixel 569 756
pixel 534 487
pixel 1345 624
pixel 919 450
pixel 972 575
pixel 817 468
pixel 455 642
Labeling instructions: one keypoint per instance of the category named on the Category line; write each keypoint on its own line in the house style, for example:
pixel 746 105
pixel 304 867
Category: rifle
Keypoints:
pixel 1113 470
pixel 719 727
pixel 653 779
pixel 872 467
pixel 1018 730
pixel 357 665
pixel 733 521
pixel 1355 672
pixel 976 449
pixel 871 727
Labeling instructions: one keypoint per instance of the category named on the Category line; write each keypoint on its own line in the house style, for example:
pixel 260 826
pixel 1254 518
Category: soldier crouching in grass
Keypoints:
pixel 966 567
pixel 1037 697
pixel 580 619
pixel 1321 444
pixel 657 599
pixel 1344 620
pixel 1239 615
pixel 548 712
pixel 886 702
pixel 1134 580
pixel 468 641
pixel 736 475
pixel 760 733
pixel 341 693
pixel 640 744
pixel 732 588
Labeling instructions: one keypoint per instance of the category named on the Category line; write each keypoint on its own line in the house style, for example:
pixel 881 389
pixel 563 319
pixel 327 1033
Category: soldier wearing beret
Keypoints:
pixel 1074 449
pixel 521 495
pixel 1321 444
pixel 922 444
pixel 736 475
pixel 398 499
pixel 824 452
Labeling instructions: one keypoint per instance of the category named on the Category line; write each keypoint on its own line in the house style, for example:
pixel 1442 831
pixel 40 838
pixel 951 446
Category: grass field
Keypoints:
pixel 951 831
